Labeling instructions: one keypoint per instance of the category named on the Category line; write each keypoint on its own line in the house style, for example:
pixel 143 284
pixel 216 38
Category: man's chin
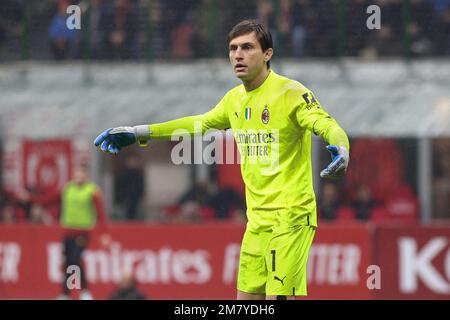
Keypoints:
pixel 241 75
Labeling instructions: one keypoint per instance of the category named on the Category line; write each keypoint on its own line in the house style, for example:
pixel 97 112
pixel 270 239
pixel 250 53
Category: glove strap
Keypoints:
pixel 142 133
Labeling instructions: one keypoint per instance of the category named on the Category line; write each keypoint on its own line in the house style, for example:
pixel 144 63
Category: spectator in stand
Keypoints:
pixel 364 203
pixel 384 43
pixel 129 187
pixel 10 17
pixel 97 16
pixel 402 205
pixel 284 27
pixel 323 35
pixel 206 201
pixel 329 202
pixel 440 5
pixel 62 39
pixel 8 213
pixel 421 27
pixel 302 16
pixel 121 30
pixel 181 16
pixel 265 13
pixel 387 41
pixel 19 206
pixel 227 204
pixel 202 29
pixel 443 33
pixel 392 13
pixel 357 33
pixel 192 206
pixel 127 290
pixel 35 213
pixel 39 215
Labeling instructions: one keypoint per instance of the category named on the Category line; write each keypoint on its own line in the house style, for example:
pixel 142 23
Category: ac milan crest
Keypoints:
pixel 265 115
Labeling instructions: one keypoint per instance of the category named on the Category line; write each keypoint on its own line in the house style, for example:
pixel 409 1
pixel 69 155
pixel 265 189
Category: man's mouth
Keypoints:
pixel 240 67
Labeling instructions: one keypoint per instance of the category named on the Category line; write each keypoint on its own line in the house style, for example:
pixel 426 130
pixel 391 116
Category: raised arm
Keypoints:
pixel 113 139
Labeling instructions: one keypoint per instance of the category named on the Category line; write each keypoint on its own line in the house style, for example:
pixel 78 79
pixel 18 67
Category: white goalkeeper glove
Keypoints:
pixel 339 162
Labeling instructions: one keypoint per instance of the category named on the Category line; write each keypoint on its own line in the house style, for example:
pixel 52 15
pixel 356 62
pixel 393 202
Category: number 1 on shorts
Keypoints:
pixel 273 259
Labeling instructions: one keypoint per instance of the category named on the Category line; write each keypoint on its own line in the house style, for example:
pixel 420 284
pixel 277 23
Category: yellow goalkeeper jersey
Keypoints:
pixel 272 127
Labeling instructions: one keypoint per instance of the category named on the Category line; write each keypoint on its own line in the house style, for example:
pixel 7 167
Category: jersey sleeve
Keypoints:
pixel 215 119
pixel 311 116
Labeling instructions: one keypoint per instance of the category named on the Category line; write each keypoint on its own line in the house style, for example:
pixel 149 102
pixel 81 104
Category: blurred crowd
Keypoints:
pixel 335 205
pixel 186 29
pixel 388 191
pixel 200 202
pixel 385 193
pixel 207 202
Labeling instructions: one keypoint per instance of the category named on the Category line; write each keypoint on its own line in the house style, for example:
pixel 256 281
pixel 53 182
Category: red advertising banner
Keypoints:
pixel 168 262
pixel 173 261
pixel 414 262
pixel 338 262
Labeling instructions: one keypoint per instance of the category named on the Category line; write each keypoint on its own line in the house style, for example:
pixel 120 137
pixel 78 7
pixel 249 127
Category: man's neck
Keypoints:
pixel 255 83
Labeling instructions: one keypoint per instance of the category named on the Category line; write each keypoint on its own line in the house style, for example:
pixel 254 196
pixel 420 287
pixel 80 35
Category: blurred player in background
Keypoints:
pixel 272 118
pixel 81 209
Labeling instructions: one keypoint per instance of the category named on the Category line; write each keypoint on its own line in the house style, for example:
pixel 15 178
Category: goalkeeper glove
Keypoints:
pixel 339 162
pixel 114 139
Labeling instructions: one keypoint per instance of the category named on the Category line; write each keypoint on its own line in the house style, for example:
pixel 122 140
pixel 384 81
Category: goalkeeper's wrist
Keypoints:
pixel 344 152
pixel 343 148
pixel 142 133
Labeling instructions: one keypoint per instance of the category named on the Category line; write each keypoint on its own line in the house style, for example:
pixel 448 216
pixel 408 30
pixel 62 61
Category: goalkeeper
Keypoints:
pixel 272 118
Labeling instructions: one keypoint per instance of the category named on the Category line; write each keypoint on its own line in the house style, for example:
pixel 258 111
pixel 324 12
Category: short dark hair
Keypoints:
pixel 248 26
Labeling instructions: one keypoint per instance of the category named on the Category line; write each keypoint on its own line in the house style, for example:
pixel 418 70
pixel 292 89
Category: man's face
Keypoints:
pixel 80 175
pixel 246 56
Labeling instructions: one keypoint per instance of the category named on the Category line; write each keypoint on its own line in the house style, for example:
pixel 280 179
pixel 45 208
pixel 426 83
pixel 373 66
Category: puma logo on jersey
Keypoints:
pixel 278 279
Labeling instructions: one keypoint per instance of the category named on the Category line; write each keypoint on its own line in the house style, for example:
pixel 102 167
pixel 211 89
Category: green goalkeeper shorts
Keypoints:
pixel 274 263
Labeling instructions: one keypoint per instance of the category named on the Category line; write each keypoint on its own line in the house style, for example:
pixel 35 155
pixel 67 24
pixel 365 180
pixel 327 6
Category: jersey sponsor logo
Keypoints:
pixel 310 100
pixel 278 279
pixel 248 113
pixel 265 115
pixel 258 147
pixel 243 137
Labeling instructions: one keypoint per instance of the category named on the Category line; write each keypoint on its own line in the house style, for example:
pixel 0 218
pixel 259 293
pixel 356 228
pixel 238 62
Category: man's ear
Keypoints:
pixel 268 54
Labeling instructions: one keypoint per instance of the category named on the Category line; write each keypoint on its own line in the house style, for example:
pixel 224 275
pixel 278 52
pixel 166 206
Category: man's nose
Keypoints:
pixel 238 54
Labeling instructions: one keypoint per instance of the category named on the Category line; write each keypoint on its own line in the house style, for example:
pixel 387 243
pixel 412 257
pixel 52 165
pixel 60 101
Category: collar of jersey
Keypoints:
pixel 263 85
